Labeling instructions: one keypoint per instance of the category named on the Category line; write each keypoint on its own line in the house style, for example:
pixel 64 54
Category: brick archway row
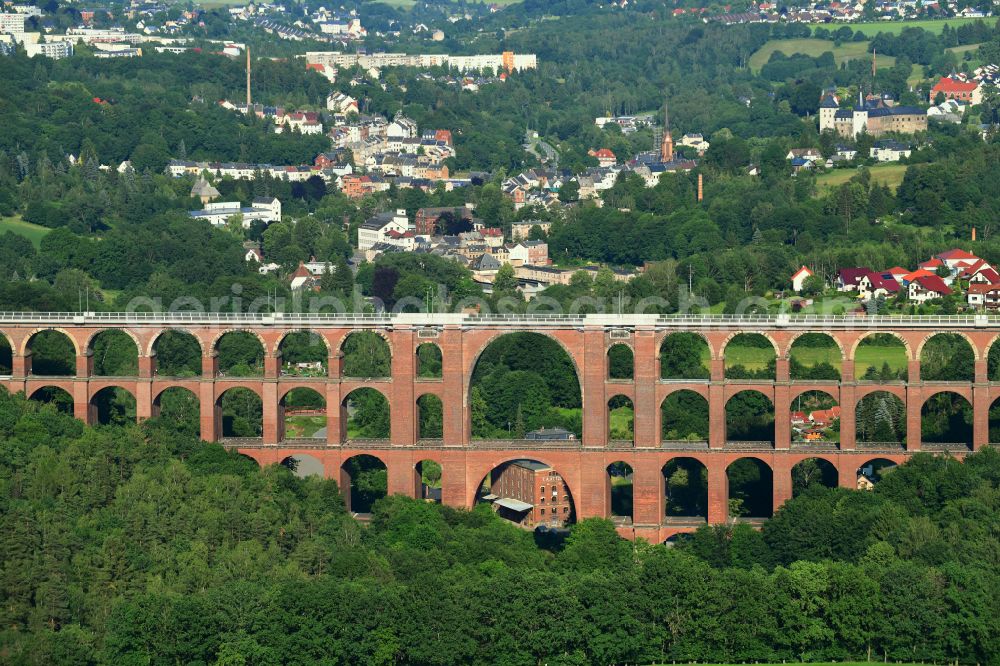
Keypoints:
pixel 585 474
pixel 403 410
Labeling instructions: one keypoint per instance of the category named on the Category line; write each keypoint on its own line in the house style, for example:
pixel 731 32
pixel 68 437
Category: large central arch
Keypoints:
pixel 523 382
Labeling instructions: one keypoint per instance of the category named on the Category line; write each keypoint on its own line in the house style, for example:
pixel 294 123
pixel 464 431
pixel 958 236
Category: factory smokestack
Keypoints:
pixel 701 190
pixel 248 79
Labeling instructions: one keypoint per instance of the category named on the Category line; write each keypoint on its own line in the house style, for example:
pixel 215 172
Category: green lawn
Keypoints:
pixel 621 423
pixel 816 47
pixel 15 224
pixel 874 356
pixel 751 358
pixel 896 27
pixel 888 174
pixel 303 425
pixel 965 48
pixel 810 356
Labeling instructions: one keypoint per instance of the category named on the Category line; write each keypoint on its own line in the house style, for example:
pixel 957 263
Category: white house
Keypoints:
pixel 267 209
pixel 378 228
pixel 338 102
pixel 889 151
pixel 927 287
pixel 799 278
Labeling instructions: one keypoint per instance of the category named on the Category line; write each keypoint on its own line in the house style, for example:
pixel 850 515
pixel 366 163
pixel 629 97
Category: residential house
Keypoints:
pixel 605 157
pixel 799 277
pixel 874 285
pixel 377 229
pixel 521 230
pixel 927 287
pixel 534 253
pixel 983 296
pixel 848 279
pixel 425 222
pixel 338 102
pixel 264 209
pixel 962 91
pixel 204 191
pixel 887 150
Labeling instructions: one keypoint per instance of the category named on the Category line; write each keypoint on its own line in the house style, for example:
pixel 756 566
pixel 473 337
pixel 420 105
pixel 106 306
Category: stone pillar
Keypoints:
pixel 269 398
pixel 400 476
pixel 980 416
pixel 454 400
pixel 333 426
pixel 209 365
pixel 648 493
pixel 402 404
pixel 209 427
pixel 781 482
pixel 847 371
pixel 593 497
pixel 21 366
pixel 85 364
pixel 453 480
pixel 595 399
pixel 143 399
pixel 782 416
pixel 644 362
pixel 81 402
pixel 272 367
pixel 718 492
pixel 848 413
pixel 913 371
pixel 847 474
pixel 914 401
pixel 147 366
pixel 982 371
pixel 782 369
pixel 716 415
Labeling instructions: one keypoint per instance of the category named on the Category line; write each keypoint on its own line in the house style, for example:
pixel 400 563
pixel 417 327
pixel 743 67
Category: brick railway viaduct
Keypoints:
pixel 462 338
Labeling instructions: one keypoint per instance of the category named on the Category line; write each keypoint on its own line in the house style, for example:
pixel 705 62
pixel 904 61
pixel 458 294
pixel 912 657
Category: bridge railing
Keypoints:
pixel 795 321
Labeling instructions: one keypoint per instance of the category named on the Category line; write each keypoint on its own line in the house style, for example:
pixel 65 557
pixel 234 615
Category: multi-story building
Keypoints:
pixel 380 228
pixel 12 24
pixel 872 116
pixel 266 209
pixel 54 50
pixel 530 493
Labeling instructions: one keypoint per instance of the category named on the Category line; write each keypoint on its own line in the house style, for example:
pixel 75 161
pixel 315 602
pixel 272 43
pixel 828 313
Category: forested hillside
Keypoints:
pixel 139 545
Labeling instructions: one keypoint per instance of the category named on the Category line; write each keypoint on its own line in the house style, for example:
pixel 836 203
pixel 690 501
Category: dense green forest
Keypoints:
pixel 140 545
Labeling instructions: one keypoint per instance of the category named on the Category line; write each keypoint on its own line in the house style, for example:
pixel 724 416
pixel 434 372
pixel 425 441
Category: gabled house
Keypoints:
pixel 983 296
pixel 874 285
pixel 848 279
pixel 926 288
pixel 799 277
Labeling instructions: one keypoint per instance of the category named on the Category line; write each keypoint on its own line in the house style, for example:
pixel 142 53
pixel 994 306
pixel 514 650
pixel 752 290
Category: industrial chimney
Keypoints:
pixel 248 78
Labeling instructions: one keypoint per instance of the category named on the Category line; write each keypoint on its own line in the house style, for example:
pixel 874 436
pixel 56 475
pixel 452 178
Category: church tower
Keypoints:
pixel 667 145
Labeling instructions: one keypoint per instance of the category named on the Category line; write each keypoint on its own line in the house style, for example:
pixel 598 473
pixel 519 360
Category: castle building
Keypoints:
pixel 873 116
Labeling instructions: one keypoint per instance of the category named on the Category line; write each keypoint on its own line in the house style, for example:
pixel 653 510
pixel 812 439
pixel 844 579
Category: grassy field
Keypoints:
pixel 896 27
pixel 621 423
pixel 810 356
pixel 303 425
pixel 965 48
pixel 873 356
pixel 756 358
pixel 816 47
pixel 889 174
pixel 15 224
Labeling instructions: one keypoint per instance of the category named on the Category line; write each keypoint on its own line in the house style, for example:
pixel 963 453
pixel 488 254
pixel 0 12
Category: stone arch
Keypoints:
pixel 712 354
pixel 867 334
pixel 429 365
pixel 799 334
pixel 239 415
pixel 364 479
pixel 750 423
pixel 166 334
pixel 993 423
pixel 56 395
pixel 26 344
pixel 285 334
pixel 817 419
pixel 685 488
pixel 6 354
pixel 621 419
pixel 618 364
pixel 684 413
pixel 730 364
pixel 174 408
pixel 303 465
pixel 812 471
pixel 753 489
pixel 946 417
pixel 621 507
pixel 764 334
pixel 428 480
pixel 543 476
pixel 543 420
pixel 112 405
pixel 950 362
pixel 217 341
pixel 366 411
pixel 342 355
pixel 302 413
pixel 430 416
pixel 97 364
pixel 963 334
pixel 880 416
pixel 151 347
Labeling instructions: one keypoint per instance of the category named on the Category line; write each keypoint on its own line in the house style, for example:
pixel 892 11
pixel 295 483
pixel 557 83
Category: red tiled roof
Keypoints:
pixel 950 85
pixel 956 254
pixel 933 283
pixel 916 275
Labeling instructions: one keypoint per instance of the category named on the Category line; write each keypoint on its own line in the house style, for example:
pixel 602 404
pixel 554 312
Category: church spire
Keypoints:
pixel 667 146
